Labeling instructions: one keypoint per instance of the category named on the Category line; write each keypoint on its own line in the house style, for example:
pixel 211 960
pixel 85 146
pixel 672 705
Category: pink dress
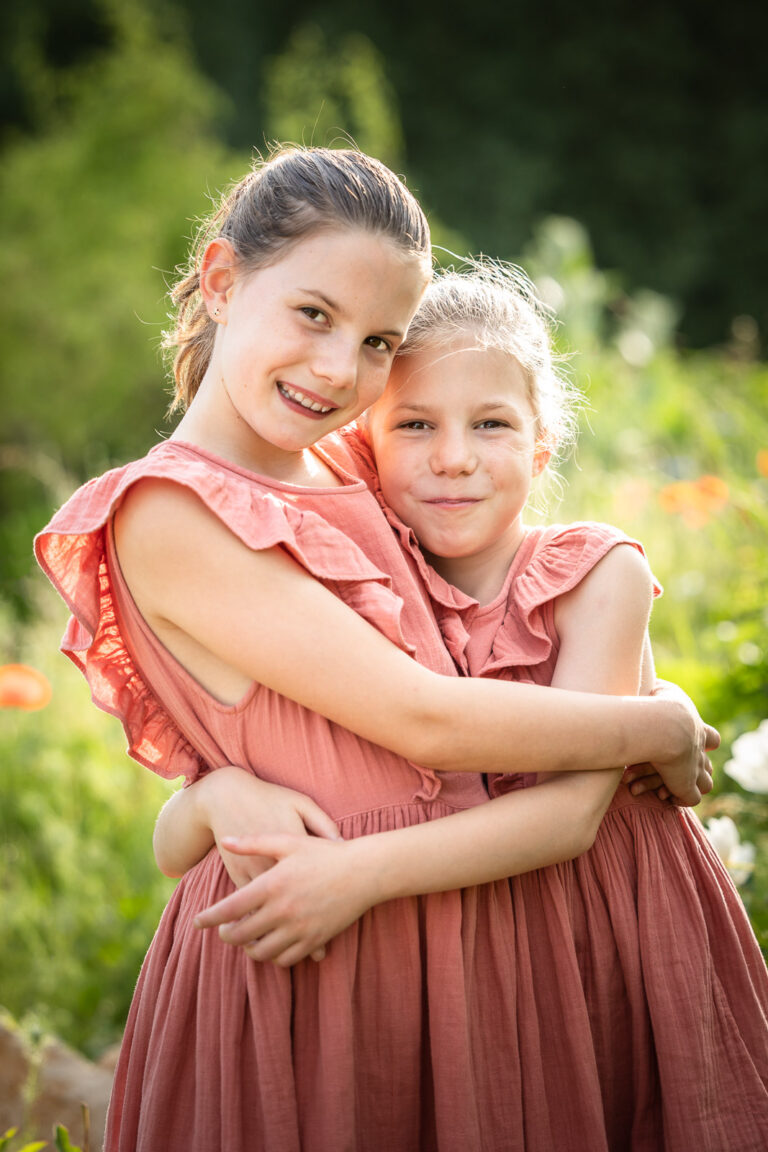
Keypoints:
pixel 637 959
pixel 646 930
pixel 406 1038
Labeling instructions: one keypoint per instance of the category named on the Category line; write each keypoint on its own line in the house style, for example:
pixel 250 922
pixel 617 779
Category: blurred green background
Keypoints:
pixel 619 155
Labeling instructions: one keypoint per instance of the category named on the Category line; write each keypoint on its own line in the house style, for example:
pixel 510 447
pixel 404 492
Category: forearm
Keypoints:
pixel 490 726
pixel 183 834
pixel 519 832
pixel 231 802
pixel 317 888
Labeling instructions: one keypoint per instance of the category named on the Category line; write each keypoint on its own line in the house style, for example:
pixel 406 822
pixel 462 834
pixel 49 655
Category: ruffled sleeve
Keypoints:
pixel 73 551
pixel 560 559
pixel 551 561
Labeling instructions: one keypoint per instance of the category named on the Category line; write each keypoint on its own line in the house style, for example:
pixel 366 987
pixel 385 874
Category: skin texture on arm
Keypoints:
pixel 316 890
pixel 229 798
pixel 173 551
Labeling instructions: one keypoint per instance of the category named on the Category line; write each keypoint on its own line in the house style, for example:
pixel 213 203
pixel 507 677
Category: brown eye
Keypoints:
pixel 314 314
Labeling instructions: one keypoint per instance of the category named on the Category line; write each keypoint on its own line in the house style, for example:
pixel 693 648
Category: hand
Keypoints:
pixel 686 774
pixel 645 777
pixel 314 891
pixel 236 803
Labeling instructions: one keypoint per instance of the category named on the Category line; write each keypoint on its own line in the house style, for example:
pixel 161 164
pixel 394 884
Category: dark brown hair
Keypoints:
pixel 288 196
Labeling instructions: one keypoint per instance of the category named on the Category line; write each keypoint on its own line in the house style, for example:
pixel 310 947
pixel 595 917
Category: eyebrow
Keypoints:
pixel 486 406
pixel 334 307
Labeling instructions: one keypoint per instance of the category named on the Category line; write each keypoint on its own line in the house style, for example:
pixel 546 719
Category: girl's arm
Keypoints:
pixel 272 622
pixel 318 889
pixel 234 802
pixel 644 777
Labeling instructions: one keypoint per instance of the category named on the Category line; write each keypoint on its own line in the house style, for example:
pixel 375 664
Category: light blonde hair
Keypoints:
pixel 286 197
pixel 496 304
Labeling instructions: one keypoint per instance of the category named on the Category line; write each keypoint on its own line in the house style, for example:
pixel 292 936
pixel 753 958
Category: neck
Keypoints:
pixel 482 575
pixel 226 434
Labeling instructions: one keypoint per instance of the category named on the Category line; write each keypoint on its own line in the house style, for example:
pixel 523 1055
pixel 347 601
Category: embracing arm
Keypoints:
pixel 318 889
pixel 270 621
pixel 230 801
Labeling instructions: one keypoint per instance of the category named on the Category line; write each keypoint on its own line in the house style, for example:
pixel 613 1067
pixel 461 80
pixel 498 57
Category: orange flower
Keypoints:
pixel 762 461
pixel 23 687
pixel 714 491
pixel 695 501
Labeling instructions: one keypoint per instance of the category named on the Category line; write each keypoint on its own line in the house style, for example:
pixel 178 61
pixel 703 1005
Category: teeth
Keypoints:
pixel 305 401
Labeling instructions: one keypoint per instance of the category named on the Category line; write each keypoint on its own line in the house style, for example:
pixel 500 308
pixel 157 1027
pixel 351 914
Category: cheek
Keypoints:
pixel 393 473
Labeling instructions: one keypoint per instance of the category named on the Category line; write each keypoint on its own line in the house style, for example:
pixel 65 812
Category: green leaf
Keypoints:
pixel 63 1143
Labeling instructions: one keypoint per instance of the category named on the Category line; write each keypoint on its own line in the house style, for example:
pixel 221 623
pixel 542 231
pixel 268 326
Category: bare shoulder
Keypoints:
pixel 155 505
pixel 171 545
pixel 620 582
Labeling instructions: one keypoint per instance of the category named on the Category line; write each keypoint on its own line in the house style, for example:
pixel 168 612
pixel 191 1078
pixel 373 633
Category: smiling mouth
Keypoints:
pixel 453 501
pixel 305 400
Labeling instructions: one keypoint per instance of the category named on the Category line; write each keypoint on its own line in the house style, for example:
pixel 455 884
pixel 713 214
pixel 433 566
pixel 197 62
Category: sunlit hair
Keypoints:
pixel 291 194
pixel 496 306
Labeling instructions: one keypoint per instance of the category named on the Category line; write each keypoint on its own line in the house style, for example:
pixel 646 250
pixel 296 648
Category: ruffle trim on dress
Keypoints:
pixel 562 557
pixel 552 561
pixel 72 551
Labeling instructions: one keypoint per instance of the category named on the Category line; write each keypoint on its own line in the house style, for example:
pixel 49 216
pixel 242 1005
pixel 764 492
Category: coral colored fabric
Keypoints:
pixel 640 945
pixel 615 1003
pixel 406 1037
pixel 646 930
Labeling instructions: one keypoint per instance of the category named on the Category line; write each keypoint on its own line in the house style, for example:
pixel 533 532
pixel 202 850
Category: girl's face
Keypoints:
pixel 454 437
pixel 306 344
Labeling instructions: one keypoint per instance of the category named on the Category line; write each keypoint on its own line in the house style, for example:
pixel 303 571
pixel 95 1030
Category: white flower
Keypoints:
pixel 749 759
pixel 738 858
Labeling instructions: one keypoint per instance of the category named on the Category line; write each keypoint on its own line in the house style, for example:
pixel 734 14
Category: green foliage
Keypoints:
pixel 7 1139
pixel 673 450
pixel 63 1142
pixel 93 207
pixel 327 95
pixel 80 894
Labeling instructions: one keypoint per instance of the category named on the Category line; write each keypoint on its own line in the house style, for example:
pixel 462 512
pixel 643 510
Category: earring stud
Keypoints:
pixel 216 311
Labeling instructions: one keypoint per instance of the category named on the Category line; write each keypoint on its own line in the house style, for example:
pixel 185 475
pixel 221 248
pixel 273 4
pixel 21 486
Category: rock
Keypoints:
pixel 65 1080
pixel 14 1073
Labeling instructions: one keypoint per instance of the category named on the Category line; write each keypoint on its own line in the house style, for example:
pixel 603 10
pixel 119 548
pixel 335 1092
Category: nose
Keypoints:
pixel 337 361
pixel 452 454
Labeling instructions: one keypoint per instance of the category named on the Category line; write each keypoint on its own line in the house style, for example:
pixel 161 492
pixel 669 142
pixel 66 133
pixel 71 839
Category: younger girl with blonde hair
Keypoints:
pixel 641 994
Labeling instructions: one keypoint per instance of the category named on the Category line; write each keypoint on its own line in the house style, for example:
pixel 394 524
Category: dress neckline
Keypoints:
pixel 349 483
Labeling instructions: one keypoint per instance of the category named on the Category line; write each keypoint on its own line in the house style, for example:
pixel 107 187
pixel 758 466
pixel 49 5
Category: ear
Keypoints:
pixel 541 458
pixel 218 268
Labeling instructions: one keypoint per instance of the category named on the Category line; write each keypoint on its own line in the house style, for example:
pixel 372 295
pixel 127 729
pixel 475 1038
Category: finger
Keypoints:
pixel 646 784
pixel 294 955
pixel 318 821
pixel 276 845
pixel 242 869
pixel 712 738
pixel 232 907
pixel 273 945
pixel 318 954
pixel 243 933
pixel 705 781
pixel 690 798
pixel 637 772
